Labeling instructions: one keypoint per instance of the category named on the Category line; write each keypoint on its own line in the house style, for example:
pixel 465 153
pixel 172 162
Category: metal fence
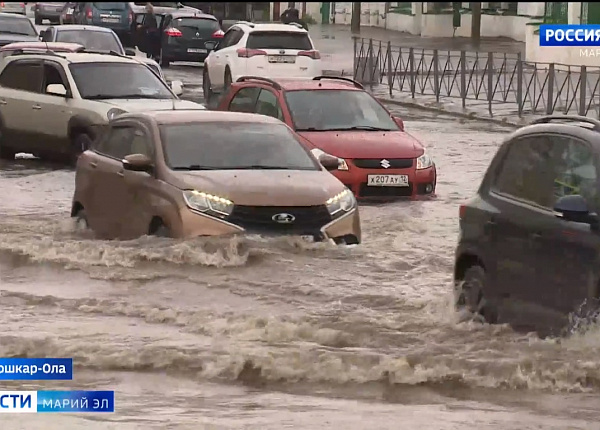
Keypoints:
pixel 498 80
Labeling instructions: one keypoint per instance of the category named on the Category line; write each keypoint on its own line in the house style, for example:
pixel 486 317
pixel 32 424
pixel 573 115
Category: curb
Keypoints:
pixel 466 115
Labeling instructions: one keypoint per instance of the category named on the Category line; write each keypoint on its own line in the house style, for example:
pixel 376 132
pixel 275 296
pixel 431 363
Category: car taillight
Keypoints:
pixel 22 4
pixel 130 17
pixel 218 34
pixel 2 4
pixel 315 55
pixel 247 53
pixel 173 32
pixel 461 211
pixel 89 14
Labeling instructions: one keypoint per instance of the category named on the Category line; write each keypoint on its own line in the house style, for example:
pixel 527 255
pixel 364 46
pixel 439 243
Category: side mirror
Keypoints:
pixel 398 122
pixel 574 208
pixel 329 162
pixel 177 87
pixel 138 163
pixel 56 90
pixel 130 52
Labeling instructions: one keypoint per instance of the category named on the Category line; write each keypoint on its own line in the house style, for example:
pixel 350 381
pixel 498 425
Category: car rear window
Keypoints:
pixel 196 24
pixel 234 145
pixel 279 40
pixel 17 26
pixel 91 40
pixel 111 6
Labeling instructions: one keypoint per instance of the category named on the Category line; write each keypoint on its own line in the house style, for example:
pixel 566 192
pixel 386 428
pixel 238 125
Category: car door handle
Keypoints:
pixel 93 164
pixel 3 102
pixel 535 236
pixel 36 107
pixel 121 174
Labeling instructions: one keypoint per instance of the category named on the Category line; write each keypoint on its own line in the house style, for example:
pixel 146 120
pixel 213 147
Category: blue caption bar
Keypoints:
pixel 36 369
pixel 75 401
pixel 569 35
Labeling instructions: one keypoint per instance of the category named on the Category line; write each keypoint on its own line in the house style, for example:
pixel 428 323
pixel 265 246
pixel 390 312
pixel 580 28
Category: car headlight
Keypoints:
pixel 424 161
pixel 318 152
pixel 342 202
pixel 114 112
pixel 208 203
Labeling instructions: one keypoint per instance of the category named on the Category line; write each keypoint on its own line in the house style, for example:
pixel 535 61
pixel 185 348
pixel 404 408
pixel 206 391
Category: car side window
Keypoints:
pixel 117 144
pixel 140 144
pixel 577 172
pixel 267 104
pixel 139 18
pixel 23 75
pixel 244 100
pixel 52 75
pixel 231 37
pixel 238 34
pixel 528 170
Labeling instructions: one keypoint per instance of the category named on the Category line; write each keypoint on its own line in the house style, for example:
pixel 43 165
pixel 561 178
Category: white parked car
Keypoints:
pixel 267 50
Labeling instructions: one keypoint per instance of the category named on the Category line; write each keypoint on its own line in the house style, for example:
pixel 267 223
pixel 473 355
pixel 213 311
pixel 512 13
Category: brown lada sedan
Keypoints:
pixel 184 174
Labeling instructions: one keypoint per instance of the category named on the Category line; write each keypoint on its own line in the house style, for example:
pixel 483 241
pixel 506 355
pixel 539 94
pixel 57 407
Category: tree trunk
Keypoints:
pixel 355 20
pixel 476 23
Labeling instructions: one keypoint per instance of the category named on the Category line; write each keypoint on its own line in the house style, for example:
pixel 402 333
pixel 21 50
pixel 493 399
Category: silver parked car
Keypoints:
pixel 13 7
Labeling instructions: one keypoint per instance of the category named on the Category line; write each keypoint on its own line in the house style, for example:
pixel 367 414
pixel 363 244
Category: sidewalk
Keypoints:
pixel 337 46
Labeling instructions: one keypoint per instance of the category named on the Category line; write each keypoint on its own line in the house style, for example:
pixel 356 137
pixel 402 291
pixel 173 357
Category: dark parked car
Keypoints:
pixel 116 16
pixel 529 243
pixel 48 10
pixel 185 36
pixel 16 28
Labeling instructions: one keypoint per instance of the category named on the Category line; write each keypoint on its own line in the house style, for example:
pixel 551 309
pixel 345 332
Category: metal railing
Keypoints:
pixel 498 80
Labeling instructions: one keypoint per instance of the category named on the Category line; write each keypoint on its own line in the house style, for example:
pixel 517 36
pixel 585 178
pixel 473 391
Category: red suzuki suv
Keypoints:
pixel 336 116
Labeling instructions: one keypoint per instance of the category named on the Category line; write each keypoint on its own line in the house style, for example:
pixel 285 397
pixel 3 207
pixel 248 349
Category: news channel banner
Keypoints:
pixel 48 369
pixel 572 35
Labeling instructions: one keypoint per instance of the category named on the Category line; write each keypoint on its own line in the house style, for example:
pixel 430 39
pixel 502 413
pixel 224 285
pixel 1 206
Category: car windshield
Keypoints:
pixel 324 110
pixel 97 81
pixel 234 145
pixel 16 25
pixel 110 6
pixel 279 40
pixel 91 40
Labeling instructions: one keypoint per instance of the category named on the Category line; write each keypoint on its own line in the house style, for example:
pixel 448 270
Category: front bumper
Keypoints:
pixel 346 228
pixel 421 183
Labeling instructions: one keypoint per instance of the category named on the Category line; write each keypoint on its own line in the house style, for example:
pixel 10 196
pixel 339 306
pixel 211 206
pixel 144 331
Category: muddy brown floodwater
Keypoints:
pixel 271 334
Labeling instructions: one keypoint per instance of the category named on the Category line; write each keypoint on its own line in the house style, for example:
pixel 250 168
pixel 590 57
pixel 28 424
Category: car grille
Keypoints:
pixel 259 219
pixel 376 163
pixel 366 191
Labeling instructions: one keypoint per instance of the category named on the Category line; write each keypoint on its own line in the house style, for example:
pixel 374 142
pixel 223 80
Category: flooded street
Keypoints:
pixel 270 334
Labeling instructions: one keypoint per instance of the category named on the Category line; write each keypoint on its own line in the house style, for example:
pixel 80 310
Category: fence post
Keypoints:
pixel 463 78
pixel 389 63
pixel 355 60
pixel 370 64
pixel 490 85
pixel 413 82
pixel 583 91
pixel 436 76
pixel 550 99
pixel 519 85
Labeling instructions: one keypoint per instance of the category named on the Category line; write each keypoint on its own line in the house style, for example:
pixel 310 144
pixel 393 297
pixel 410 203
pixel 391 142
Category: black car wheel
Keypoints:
pixel 80 144
pixel 6 153
pixel 206 86
pixel 471 295
pixel 38 20
pixel 226 80
pixel 164 62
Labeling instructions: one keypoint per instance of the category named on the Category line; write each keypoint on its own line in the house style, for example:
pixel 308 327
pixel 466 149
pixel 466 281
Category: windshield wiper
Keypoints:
pixel 358 127
pixel 15 32
pixel 125 96
pixel 195 167
pixel 258 167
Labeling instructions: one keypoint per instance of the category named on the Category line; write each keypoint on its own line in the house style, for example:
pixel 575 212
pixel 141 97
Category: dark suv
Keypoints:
pixel 529 243
pixel 114 15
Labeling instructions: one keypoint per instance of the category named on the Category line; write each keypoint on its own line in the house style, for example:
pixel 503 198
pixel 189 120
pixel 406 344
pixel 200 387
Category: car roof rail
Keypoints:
pixel 568 118
pixel 35 51
pixel 339 78
pixel 261 79
pixel 248 23
pixel 296 24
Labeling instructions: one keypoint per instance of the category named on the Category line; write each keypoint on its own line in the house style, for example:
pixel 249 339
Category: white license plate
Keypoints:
pixel 197 51
pixel 115 19
pixel 69 11
pixel 387 181
pixel 282 59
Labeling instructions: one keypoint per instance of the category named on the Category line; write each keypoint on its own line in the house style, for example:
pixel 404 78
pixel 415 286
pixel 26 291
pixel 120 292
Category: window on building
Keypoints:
pixel 436 7
pixel 590 13
pixel 556 13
